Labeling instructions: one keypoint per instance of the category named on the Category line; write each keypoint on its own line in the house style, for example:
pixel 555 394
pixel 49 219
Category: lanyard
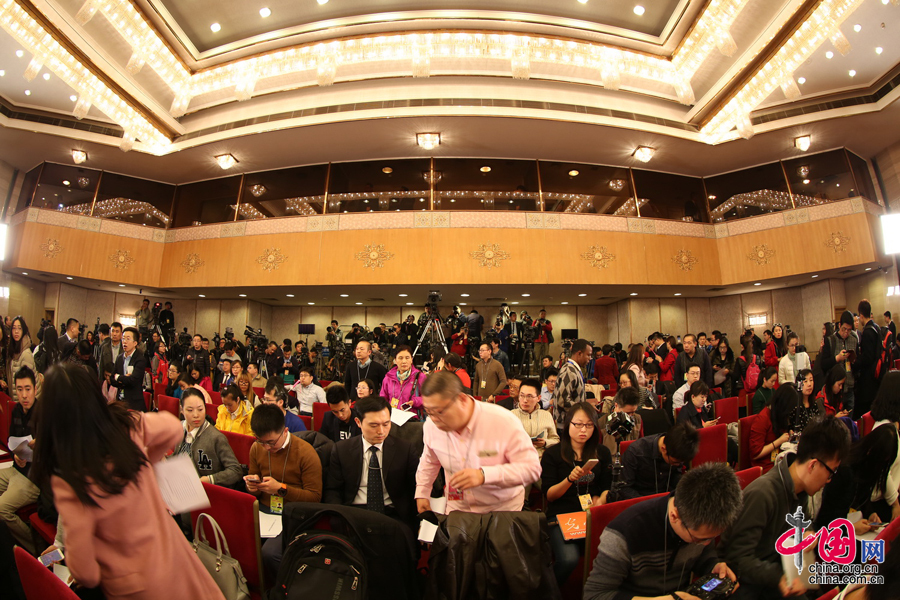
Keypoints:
pixel 283 468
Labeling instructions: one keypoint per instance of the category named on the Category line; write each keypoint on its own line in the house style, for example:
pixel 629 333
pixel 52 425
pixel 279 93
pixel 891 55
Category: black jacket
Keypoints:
pixel 131 385
pixel 386 544
pixel 353 374
pixel 398 467
pixel 66 347
pixel 644 472
pixel 336 430
pixel 701 359
pixel 867 384
pixel 494 555
pixel 200 358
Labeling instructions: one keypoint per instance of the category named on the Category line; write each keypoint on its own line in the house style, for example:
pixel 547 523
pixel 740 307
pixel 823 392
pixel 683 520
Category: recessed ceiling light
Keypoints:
pixel 573 173
pixel 463 304
pixel 359 303
pixel 757 283
pixel 70 278
pixel 639 10
pixel 73 98
pixel 678 294
pixel 387 170
pixel 403 295
pixel 583 1
pixel 46 76
pixel 879 50
pixel 2 72
pixel 806 181
pixel 643 153
pixel 814 276
pixel 582 295
pixel 428 141
pixel 464 295
pixel 485 169
pixel 311 303
pixel 801 80
pixel 526 295
pixel 201 295
pixel 322 1
pixel 563 302
pixel 868 268
pixel 226 161
pixel 857 28
pixel 242 295
pixel 345 295
pixel 634 293
pixel 27 92
pixel 264 12
pixel 829 54
pixel 852 72
pixel 802 143
pixel 20 53
pixel 27 274
pixel 215 27
pixel 289 295
pixel 409 303
pixel 66 182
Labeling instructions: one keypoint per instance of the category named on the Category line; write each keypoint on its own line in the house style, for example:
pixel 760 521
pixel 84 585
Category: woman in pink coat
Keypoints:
pixel 99 460
pixel 403 384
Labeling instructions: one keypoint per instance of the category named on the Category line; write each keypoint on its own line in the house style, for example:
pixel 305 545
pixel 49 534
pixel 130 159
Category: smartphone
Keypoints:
pixel 51 557
pixel 877 524
pixel 712 584
pixel 589 465
pixel 251 478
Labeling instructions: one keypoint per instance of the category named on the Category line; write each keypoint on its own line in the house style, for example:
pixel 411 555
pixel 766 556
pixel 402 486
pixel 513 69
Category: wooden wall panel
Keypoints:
pixel 26 298
pixel 697 316
pixel 593 323
pixel 725 315
pixel 673 316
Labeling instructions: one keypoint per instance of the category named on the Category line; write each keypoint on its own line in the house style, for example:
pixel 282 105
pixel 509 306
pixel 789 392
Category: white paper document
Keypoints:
pixel 19 445
pixel 427 531
pixel 399 416
pixel 61 571
pixel 179 485
pixel 439 505
pixel 269 525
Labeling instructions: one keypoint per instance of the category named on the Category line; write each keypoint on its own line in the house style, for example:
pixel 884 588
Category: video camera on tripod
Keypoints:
pixel 619 426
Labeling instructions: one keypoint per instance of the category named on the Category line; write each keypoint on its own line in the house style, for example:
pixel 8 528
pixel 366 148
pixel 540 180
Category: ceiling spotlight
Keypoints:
pixel 73 98
pixel 242 295
pixel 66 182
pixel 20 53
pixel 2 72
pixel 802 143
pixel 879 50
pixel 643 153
pixel 257 189
pixel 70 278
pixel 409 303
pixel 617 185
pixel 852 72
pixel 201 295
pixel 801 80
pixel 485 169
pixel 345 295
pixel 634 293
pixel 582 295
pixel 428 141
pixel 27 92
pixel 857 28
pixel 264 12
pixel 289 295
pixel 573 173
pixel 563 302
pixel 215 27
pixel 526 295
pixel 678 293
pixel 322 1
pixel 464 295
pixel 387 170
pixel 806 182
pixel 403 295
pixel 639 10
pixel 226 161
pixel 79 156
pixel 311 303
pixel 359 303
pixel 829 54
pixel 46 76
pixel 757 283
pixel 583 1
pixel 803 171
pixel 814 276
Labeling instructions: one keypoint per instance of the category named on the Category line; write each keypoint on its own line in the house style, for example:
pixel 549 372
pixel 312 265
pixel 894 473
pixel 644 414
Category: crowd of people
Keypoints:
pixel 489 437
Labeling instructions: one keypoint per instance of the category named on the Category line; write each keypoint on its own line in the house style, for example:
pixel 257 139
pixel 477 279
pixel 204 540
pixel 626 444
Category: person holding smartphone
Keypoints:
pixel 575 473
pixel 697 412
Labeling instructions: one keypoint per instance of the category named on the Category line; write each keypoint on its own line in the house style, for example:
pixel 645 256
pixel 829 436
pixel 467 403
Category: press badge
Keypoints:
pixel 395 402
pixel 454 494
pixel 276 503
pixel 483 384
pixel 585 500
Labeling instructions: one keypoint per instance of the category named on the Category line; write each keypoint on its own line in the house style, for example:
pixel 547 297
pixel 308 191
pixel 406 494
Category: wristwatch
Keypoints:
pixel 282 491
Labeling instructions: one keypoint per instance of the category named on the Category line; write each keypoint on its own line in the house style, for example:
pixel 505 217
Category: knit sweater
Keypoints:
pixel 212 456
pixel 536 422
pixel 490 378
pixel 298 466
pixel 641 555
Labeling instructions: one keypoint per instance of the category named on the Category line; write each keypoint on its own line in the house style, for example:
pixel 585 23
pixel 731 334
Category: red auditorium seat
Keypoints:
pixel 319 410
pixel 46 530
pixel 241 445
pixel 216 398
pixel 747 476
pixel 168 404
pixel 868 423
pixel 38 581
pixel 713 445
pixel 744 426
pixel 726 410
pixel 598 518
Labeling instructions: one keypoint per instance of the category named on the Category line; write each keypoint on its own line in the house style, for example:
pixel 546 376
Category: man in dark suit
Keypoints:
pixel 68 340
pixel 870 349
pixel 129 373
pixel 375 471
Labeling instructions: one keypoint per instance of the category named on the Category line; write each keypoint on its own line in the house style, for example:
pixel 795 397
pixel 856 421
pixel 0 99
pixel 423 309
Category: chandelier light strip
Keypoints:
pixel 92 91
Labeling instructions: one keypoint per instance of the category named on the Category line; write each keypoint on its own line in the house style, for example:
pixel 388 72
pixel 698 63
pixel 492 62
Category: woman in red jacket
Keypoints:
pixel 832 393
pixel 772 427
pixel 606 369
pixel 667 365
pixel 776 347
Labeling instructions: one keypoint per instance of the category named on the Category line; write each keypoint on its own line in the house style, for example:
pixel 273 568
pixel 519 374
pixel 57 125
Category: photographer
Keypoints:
pixel 166 319
pixel 197 355
pixel 514 334
pixel 655 547
pixel 68 340
pixel 274 359
pixel 655 463
pixel 625 411
pixel 143 316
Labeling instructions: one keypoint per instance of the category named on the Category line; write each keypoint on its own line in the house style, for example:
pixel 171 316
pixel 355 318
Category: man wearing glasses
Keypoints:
pixel 538 424
pixel 653 548
pixel 749 545
pixel 487 457
pixel 841 349
pixel 283 468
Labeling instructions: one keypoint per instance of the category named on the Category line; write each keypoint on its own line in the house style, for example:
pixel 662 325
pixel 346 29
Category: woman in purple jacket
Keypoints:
pixel 402 385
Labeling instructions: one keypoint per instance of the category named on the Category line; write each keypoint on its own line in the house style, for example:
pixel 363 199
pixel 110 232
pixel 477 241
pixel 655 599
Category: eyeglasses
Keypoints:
pixel 528 397
pixel 270 444
pixel 696 540
pixel 830 470
pixel 431 412
pixel 582 425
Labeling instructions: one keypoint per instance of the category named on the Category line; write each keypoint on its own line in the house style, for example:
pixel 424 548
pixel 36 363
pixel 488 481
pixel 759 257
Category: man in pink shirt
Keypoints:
pixel 487 457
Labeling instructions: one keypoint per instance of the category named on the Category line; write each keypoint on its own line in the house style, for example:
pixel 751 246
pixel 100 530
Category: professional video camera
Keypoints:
pixel 433 298
pixel 179 346
pixel 256 343
pixel 619 426
pixel 157 306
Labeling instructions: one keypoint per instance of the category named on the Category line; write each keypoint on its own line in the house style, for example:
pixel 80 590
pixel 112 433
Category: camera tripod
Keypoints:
pixel 433 326
pixel 524 366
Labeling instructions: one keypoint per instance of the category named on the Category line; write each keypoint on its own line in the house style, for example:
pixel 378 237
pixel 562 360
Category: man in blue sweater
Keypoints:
pixel 653 547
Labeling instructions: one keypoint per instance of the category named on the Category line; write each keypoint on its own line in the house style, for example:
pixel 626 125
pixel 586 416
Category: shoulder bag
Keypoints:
pixel 225 571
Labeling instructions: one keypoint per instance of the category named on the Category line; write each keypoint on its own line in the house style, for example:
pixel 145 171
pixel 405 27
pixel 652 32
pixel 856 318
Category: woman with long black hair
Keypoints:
pixel 99 458
pixel 772 427
pixel 832 393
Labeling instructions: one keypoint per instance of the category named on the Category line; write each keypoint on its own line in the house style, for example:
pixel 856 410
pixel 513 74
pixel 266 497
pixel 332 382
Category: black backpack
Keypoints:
pixel 321 565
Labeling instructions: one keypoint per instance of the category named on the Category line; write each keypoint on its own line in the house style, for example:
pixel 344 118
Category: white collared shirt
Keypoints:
pixel 362 494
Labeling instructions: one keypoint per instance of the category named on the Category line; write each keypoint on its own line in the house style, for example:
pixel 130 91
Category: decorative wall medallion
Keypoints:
pixel 600 256
pixel 192 263
pixel 121 259
pixel 271 259
pixel 373 256
pixel 761 254
pixel 51 248
pixel 838 241
pixel 490 255
pixel 685 260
